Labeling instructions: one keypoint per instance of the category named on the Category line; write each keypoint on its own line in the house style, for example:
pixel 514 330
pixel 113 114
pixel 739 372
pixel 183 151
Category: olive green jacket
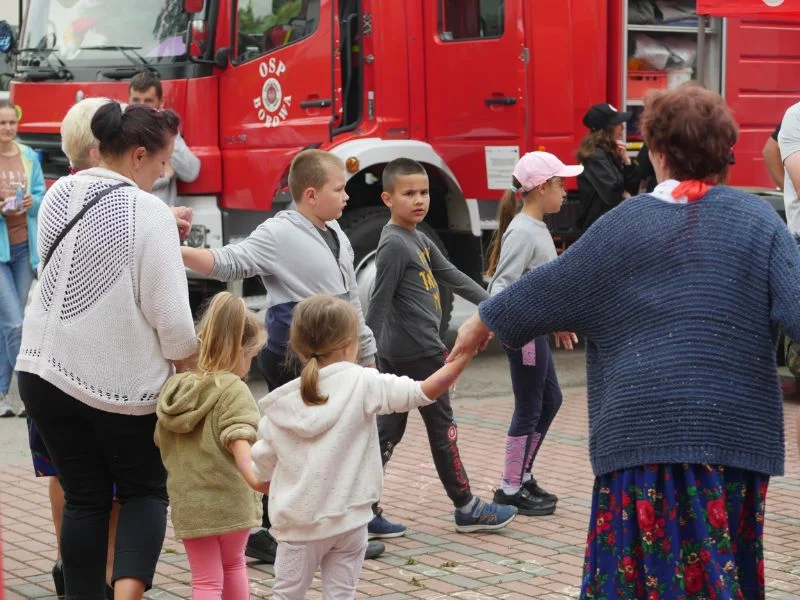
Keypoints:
pixel 197 419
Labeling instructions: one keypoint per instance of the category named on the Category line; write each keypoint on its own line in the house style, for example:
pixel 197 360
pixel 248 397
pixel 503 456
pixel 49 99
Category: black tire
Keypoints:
pixel 364 225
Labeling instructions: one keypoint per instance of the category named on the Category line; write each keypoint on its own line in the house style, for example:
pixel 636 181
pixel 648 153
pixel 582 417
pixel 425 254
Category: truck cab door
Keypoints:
pixel 276 96
pixel 475 79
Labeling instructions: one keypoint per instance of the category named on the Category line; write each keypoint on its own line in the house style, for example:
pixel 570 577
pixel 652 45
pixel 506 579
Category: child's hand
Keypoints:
pixel 565 339
pixel 259 486
pixel 262 487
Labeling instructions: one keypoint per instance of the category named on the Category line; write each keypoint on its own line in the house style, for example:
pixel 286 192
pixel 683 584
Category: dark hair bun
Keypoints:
pixel 139 126
pixel 107 122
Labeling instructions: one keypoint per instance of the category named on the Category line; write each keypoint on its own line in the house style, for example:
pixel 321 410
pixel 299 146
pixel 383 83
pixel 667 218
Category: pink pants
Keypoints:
pixel 218 566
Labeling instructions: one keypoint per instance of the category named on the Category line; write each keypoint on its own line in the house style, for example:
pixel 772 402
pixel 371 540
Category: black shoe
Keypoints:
pixel 537 492
pixel 261 546
pixel 529 506
pixel 374 550
pixel 58 579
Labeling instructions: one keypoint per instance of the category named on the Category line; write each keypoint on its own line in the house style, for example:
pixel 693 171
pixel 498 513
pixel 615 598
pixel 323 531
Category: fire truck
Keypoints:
pixel 463 86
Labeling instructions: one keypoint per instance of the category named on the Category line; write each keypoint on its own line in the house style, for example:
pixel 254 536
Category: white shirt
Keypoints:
pixel 111 309
pixel 789 143
pixel 663 191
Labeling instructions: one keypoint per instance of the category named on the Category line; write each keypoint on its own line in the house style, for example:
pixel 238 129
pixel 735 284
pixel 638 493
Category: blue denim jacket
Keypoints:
pixel 35 178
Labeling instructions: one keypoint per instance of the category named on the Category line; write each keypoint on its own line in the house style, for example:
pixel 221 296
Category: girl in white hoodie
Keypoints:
pixel 318 447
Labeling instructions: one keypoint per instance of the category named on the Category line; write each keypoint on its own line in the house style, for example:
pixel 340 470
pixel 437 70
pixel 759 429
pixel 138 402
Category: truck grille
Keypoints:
pixel 48 145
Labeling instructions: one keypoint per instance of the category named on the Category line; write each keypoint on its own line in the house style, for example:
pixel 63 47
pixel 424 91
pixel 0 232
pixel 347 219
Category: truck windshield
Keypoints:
pixel 105 32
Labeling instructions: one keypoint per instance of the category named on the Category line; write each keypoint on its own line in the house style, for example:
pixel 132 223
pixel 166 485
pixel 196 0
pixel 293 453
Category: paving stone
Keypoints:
pixel 537 558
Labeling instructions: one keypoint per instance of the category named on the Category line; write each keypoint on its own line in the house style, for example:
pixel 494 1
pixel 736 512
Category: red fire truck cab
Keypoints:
pixel 464 87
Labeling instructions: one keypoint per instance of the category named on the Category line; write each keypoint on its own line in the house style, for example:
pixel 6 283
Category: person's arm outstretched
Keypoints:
pixel 391 393
pixel 249 258
pixel 460 283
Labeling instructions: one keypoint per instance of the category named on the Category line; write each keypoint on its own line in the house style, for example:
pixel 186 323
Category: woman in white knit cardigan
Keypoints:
pixel 108 323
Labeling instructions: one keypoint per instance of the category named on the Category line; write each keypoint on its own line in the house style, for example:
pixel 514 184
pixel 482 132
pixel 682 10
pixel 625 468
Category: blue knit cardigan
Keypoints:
pixel 680 305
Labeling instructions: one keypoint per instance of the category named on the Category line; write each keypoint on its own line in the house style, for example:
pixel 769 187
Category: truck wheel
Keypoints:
pixel 363 227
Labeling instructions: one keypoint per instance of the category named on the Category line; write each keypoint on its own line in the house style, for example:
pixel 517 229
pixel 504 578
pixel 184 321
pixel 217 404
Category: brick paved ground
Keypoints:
pixel 534 558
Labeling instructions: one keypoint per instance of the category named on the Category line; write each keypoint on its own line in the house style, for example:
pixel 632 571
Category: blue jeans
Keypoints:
pixel 16 277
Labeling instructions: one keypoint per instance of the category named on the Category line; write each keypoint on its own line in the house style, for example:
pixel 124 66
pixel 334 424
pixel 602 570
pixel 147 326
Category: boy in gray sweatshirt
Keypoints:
pixel 405 313
pixel 298 254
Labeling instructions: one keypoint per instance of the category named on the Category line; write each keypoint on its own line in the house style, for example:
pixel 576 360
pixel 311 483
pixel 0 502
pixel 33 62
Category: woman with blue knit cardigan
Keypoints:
pixel 679 294
pixel 20 177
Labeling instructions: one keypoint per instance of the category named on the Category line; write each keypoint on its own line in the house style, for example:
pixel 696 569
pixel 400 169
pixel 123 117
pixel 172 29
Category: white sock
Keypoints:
pixel 467 508
pixel 510 490
pixel 526 477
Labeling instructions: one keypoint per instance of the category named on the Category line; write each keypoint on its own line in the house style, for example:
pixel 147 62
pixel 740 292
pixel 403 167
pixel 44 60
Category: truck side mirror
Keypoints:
pixel 221 58
pixel 192 6
pixel 7 37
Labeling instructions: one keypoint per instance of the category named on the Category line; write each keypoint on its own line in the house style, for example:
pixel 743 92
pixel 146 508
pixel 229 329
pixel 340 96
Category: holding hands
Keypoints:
pixel 473 336
pixel 183 219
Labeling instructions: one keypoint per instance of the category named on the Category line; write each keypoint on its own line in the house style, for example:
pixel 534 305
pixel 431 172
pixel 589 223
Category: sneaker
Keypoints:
pixel 380 528
pixel 537 492
pixel 5 409
pixel 261 546
pixel 484 517
pixel 529 506
pixel 374 550
pixel 22 413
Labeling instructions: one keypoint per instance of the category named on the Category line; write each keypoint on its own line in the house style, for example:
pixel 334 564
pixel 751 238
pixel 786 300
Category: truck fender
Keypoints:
pixel 462 213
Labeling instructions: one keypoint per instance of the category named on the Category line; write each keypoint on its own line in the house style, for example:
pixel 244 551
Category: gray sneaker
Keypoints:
pixel 5 408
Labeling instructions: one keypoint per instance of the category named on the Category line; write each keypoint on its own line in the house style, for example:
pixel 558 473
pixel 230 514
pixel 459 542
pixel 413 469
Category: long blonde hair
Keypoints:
pixel 321 325
pixel 227 332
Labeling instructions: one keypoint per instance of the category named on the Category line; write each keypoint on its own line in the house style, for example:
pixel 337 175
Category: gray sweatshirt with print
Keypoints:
pixel 405 308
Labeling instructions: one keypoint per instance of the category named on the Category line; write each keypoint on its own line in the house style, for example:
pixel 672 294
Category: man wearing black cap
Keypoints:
pixel 608 171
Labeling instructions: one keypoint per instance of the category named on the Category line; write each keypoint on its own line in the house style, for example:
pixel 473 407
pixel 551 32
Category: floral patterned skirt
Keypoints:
pixel 673 531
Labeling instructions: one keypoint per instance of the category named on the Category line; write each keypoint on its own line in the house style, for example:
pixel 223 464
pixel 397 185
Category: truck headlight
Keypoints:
pixel 197 237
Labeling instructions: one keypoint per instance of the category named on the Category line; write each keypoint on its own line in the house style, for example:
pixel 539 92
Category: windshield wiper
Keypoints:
pixel 124 50
pixel 43 73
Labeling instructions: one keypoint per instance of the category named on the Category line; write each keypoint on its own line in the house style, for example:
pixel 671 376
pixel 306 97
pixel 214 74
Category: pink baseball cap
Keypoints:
pixel 534 168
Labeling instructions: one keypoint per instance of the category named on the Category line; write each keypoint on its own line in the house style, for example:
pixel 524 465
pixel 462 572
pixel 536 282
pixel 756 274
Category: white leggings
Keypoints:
pixel 339 557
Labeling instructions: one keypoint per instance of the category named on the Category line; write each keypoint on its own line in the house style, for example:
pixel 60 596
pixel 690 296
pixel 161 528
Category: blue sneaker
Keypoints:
pixel 485 516
pixel 380 528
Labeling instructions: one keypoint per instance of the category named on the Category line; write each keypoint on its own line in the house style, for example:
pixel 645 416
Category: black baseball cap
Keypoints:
pixel 601 116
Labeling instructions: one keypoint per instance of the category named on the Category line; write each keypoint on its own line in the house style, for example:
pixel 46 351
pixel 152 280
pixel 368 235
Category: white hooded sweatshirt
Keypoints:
pixel 324 461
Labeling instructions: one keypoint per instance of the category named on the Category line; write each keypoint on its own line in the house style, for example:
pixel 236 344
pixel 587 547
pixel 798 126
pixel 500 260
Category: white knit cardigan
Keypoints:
pixel 111 308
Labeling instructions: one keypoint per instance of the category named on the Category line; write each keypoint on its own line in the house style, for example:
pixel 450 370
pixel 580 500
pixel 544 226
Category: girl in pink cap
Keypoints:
pixel 521 243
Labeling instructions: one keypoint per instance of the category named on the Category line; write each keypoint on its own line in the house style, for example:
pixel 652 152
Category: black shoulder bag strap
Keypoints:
pixel 99 196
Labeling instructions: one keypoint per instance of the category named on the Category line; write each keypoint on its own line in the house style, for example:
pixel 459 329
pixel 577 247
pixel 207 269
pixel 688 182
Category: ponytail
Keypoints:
pixel 321 325
pixel 506 212
pixel 309 383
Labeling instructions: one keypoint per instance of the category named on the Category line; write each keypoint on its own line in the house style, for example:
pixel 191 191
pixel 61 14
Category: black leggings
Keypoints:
pixel 440 424
pixel 92 450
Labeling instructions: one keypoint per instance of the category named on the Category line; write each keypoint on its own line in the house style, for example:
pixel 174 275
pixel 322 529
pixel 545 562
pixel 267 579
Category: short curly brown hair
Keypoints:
pixel 694 129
